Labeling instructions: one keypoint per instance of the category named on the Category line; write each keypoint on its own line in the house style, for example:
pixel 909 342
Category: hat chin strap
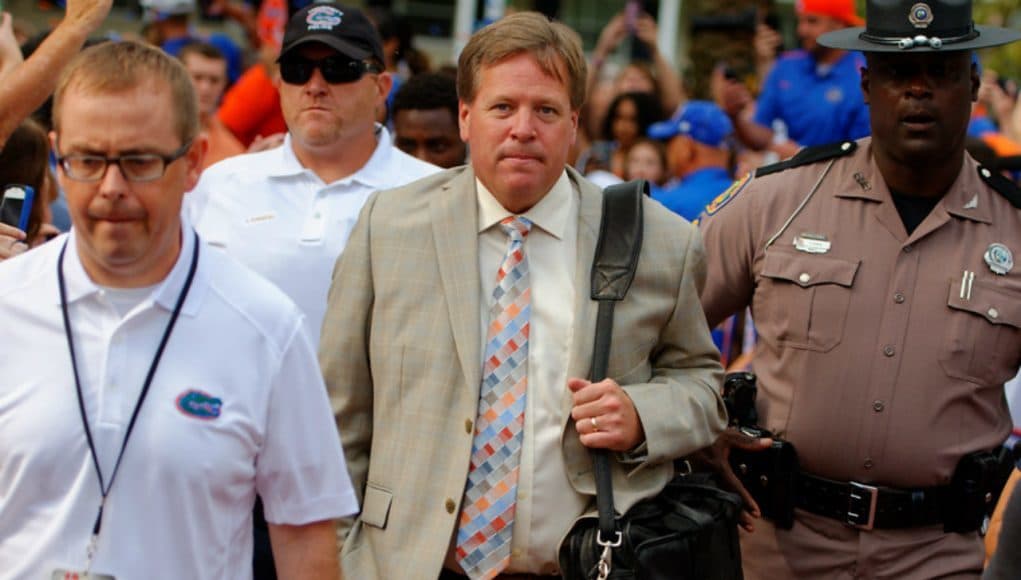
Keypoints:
pixel 919 41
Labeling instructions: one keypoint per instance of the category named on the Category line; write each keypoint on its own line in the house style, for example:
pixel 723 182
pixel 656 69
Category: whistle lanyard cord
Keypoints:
pixel 104 488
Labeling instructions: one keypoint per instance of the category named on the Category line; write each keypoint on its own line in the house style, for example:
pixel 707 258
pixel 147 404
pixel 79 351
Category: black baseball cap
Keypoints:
pixel 346 30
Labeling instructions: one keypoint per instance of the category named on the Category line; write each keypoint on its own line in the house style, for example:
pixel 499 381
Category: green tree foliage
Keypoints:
pixel 1005 60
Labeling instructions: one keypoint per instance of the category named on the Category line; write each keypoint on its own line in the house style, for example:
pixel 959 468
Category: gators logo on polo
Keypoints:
pixel 199 405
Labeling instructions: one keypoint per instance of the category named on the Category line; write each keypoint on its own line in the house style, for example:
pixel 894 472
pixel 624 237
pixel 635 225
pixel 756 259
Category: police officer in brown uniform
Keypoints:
pixel 882 279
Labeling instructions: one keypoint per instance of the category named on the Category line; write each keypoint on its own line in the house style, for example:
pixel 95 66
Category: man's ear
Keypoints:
pixel 976 82
pixel 574 125
pixel 195 156
pixel 463 119
pixel 865 83
pixel 384 82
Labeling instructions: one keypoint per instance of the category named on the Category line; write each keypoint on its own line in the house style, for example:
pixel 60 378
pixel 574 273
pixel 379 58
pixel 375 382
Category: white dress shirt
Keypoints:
pixel 284 222
pixel 547 505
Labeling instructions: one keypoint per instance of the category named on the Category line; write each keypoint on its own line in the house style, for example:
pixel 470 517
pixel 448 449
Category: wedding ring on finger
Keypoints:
pixel 595 424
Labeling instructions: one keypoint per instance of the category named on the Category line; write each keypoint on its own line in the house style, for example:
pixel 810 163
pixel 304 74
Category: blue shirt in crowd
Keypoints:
pixel 689 197
pixel 818 104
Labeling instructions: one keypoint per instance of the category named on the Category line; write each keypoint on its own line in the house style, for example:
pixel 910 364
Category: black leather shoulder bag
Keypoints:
pixel 688 530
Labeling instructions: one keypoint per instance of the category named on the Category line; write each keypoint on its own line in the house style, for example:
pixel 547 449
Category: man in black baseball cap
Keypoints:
pixel 884 284
pixel 287 212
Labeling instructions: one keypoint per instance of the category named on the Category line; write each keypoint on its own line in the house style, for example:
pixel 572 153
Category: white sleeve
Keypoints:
pixel 300 472
pixel 1013 392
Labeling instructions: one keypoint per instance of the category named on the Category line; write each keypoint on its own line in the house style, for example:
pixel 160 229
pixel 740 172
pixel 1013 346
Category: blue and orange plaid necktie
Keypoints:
pixel 487 513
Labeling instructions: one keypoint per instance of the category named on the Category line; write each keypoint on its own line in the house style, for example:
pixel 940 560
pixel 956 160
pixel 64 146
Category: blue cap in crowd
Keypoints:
pixel 703 121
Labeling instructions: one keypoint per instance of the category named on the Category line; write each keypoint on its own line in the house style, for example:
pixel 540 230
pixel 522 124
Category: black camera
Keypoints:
pixel 768 474
pixel 739 393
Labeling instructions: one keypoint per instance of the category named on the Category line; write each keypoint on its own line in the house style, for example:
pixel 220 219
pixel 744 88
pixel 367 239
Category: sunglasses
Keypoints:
pixel 295 70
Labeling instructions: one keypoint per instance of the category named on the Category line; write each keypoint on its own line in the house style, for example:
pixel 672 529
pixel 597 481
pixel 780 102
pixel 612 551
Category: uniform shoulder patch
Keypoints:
pixel 1005 187
pixel 810 155
pixel 728 194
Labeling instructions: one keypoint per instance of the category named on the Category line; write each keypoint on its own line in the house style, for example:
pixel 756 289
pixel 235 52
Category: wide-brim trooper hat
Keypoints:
pixel 910 25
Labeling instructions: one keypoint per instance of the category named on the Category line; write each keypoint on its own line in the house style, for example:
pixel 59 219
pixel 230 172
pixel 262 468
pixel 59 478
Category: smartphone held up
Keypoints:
pixel 16 205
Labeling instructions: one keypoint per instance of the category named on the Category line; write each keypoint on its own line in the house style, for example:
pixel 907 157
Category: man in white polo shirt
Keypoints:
pixel 151 386
pixel 287 212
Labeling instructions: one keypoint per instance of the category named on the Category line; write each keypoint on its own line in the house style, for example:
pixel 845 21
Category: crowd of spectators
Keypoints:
pixel 295 141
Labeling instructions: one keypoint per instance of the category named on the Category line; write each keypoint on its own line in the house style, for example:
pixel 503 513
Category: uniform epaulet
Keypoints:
pixel 810 155
pixel 1005 187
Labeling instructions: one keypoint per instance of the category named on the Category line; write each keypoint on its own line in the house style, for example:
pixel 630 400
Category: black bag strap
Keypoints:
pixel 613 269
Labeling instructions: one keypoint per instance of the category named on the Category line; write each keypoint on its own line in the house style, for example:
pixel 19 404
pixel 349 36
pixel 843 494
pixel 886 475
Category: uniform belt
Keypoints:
pixel 868 506
pixel 451 575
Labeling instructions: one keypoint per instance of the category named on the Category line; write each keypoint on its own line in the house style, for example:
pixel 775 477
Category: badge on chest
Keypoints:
pixel 999 259
pixel 811 243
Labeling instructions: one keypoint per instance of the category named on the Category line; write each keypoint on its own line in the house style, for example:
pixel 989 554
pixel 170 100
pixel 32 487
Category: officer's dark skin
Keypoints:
pixel 920 104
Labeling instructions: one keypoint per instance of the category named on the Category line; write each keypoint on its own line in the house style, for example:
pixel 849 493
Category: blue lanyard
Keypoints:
pixel 104 488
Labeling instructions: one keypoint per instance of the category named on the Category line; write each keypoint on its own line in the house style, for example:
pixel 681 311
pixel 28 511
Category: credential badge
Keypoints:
pixel 920 15
pixel 999 258
pixel 811 243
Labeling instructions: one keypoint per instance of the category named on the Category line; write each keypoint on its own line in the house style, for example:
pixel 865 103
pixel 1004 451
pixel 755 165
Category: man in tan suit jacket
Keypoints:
pixel 402 341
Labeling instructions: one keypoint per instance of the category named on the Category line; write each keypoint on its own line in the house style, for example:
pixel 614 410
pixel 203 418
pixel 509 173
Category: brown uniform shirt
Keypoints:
pixel 881 356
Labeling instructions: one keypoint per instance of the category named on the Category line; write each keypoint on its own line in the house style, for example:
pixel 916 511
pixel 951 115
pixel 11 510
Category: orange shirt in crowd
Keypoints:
pixel 251 108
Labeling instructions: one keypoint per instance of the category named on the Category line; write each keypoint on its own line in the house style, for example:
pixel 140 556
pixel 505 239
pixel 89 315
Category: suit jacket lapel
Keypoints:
pixel 455 229
pixel 590 210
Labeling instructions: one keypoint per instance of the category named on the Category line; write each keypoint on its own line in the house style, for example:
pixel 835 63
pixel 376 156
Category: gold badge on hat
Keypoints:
pixel 920 15
pixel 999 258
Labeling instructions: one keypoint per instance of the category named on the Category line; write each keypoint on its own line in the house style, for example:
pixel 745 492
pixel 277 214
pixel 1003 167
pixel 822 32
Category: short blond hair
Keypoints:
pixel 114 67
pixel 555 47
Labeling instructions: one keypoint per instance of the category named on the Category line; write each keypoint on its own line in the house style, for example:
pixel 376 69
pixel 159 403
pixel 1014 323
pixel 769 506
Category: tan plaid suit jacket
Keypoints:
pixel 401 356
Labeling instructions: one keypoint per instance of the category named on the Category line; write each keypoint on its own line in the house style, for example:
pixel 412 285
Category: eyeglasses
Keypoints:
pixel 295 70
pixel 136 167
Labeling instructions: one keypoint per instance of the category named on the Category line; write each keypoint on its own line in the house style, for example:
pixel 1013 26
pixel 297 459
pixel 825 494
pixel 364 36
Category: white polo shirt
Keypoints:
pixel 281 220
pixel 237 407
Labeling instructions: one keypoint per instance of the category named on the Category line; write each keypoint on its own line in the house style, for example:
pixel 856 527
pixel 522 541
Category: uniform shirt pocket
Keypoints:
pixel 982 341
pixel 805 299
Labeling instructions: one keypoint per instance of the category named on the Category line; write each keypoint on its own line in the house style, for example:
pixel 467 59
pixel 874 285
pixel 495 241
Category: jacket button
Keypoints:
pixel 468 426
pixel 898 298
pixel 804 278
pixel 889 350
pixel 869 464
pixel 878 406
pixel 451 506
